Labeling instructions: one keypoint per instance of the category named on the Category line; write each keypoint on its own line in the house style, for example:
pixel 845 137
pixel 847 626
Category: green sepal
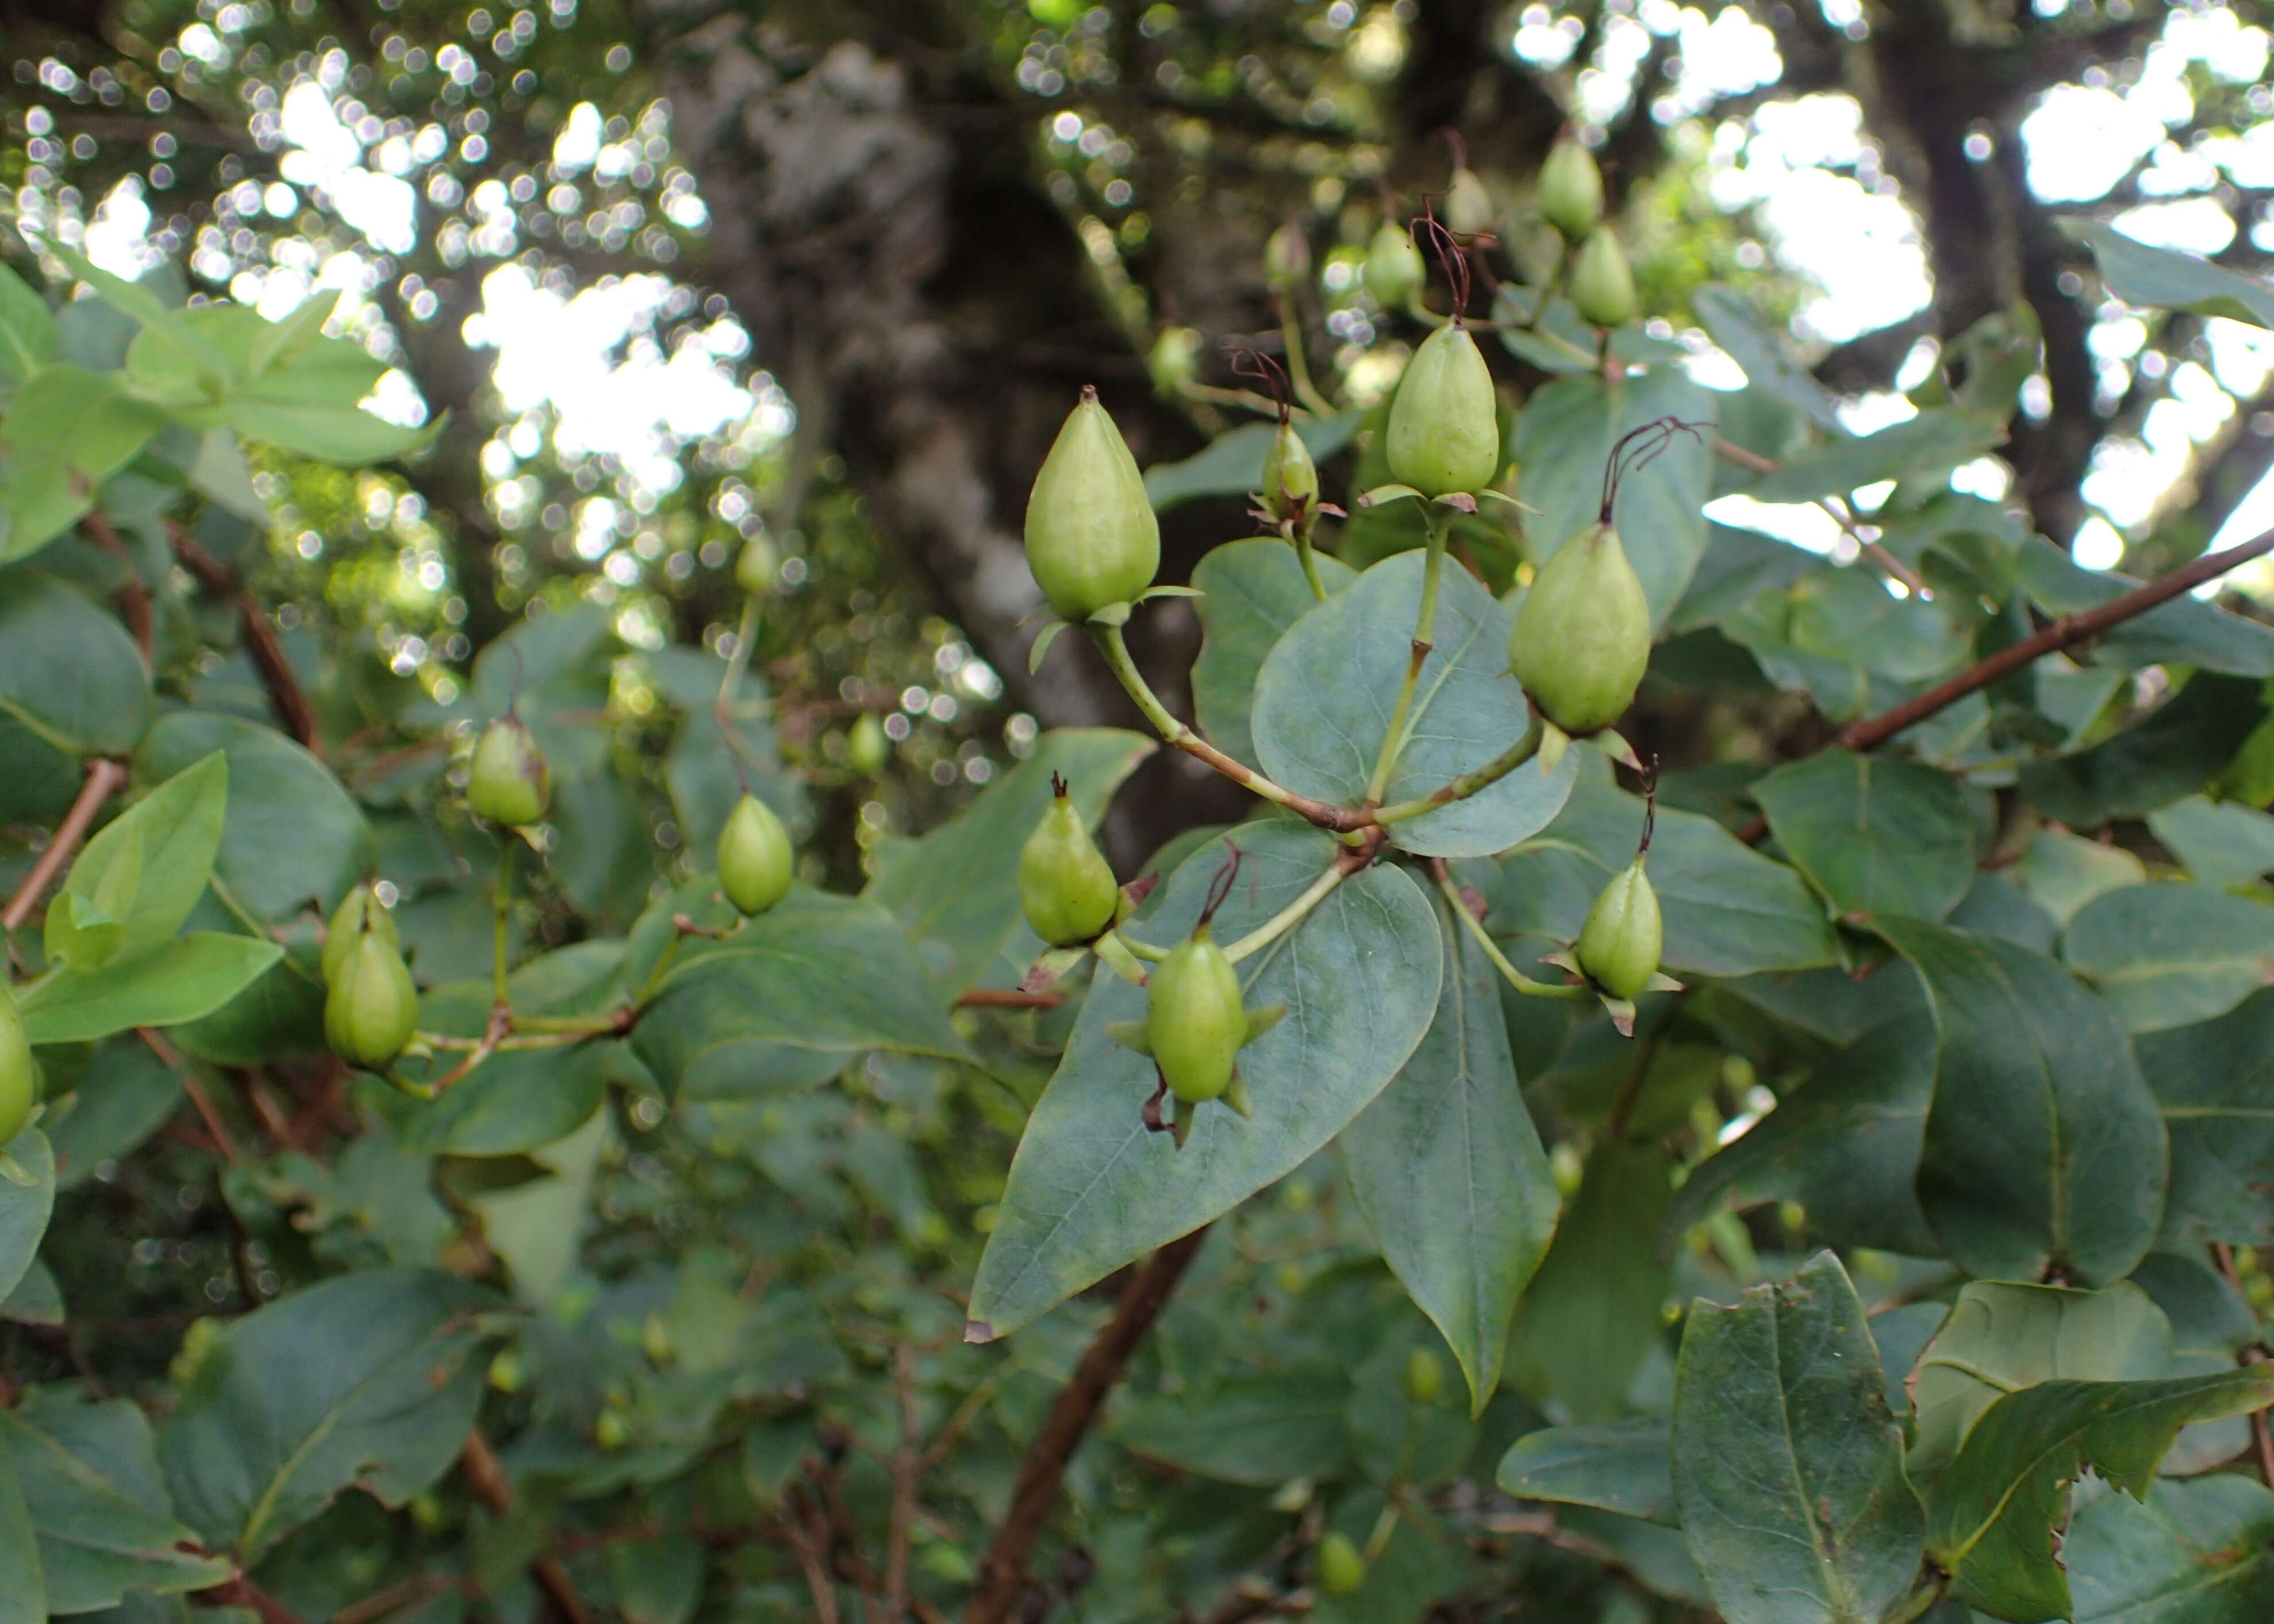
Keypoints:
pixel 1235 1096
pixel 1459 501
pixel 1660 981
pixel 1041 644
pixel 1382 495
pixel 1503 496
pixel 1553 742
pixel 14 1171
pixel 1132 1035
pixel 1565 960
pixel 1114 954
pixel 1152 592
pixel 1112 614
pixel 1261 1021
pixel 1614 745
pixel 1621 1011
pixel 417 1091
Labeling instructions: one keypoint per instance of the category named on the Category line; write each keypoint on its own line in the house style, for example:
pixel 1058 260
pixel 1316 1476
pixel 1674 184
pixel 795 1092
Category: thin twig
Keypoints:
pixel 809 1538
pixel 905 1461
pixel 134 598
pixel 1009 999
pixel 1887 562
pixel 194 1088
pixel 261 647
pixel 1003 1570
pixel 103 778
pixel 242 1592
pixel 2260 1434
pixel 372 1608
pixel 485 1476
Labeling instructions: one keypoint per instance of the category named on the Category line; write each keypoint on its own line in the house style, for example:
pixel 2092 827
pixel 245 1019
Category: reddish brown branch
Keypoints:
pixel 104 779
pixel 1003 1570
pixel 1009 999
pixel 261 645
pixel 2261 1435
pixel 242 1592
pixel 485 1476
pixel 134 598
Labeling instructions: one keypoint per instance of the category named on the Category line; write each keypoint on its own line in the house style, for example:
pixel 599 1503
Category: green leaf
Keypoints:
pixel 1787 1465
pixel 1845 1147
pixel 67 431
pixel 1565 437
pixel 370 1381
pixel 25 1208
pixel 1591 1315
pixel 1738 566
pixel 1875 834
pixel 27 329
pixel 1250 592
pixel 2044 1146
pixel 176 980
pixel 2193 1552
pixel 1091 1189
pixel 36 1300
pixel 291 835
pixel 957 888
pixel 123 1096
pixel 1258 1431
pixel 2185 631
pixel 1449 1173
pixel 1728 910
pixel 2214 1081
pixel 2177 749
pixel 1323 697
pixel 2061 872
pixel 2219 842
pixel 2171 954
pixel 98 1506
pixel 1627 1469
pixel 1734 322
pixel 1933 442
pixel 603 853
pixel 1231 464
pixel 2001 1337
pixel 68 671
pixel 24 1598
pixel 1837 635
pixel 706 767
pixel 821 974
pixel 2165 279
pixel 310 404
pixel 1991 1515
pixel 178 827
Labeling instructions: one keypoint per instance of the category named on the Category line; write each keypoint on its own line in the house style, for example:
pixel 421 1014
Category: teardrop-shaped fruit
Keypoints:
pixel 1091 536
pixel 1424 1376
pixel 359 911
pixel 1286 258
pixel 1394 268
pixel 1618 946
pixel 1195 1021
pixel 1444 425
pixel 1602 286
pixel 19 1072
pixel 757 567
pixel 371 1009
pixel 1290 480
pixel 612 1430
pixel 756 860
pixel 1571 190
pixel 1581 638
pixel 1175 357
pixel 1065 886
pixel 510 785
pixel 866 746
pixel 1342 1565
pixel 1468 206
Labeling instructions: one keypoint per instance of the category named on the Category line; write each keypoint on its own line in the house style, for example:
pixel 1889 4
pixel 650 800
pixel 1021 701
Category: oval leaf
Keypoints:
pixel 68 671
pixel 2171 954
pixel 1250 592
pixel 1875 834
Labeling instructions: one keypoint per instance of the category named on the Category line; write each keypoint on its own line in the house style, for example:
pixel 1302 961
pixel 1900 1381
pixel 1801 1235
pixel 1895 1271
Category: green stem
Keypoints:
pixel 1299 365
pixel 1547 288
pixel 1517 978
pixel 1145 950
pixel 574 1026
pixel 1469 783
pixel 244 916
pixel 504 902
pixel 1302 539
pixel 1287 918
pixel 1921 1601
pixel 737 663
pixel 1425 624
pixel 662 964
pixel 1119 954
pixel 1422 313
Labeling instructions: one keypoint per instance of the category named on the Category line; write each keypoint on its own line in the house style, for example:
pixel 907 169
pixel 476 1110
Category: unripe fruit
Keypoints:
pixel 755 857
pixel 866 746
pixel 371 1009
pixel 656 1341
pixel 1195 1021
pixel 1468 206
pixel 1571 190
pixel 1444 425
pixel 1091 536
pixel 510 785
pixel 359 912
pixel 1290 480
pixel 1424 1376
pixel 1176 355
pixel 1065 886
pixel 19 1072
pixel 612 1430
pixel 1286 258
pixel 757 567
pixel 1581 638
pixel 1618 946
pixel 1342 1565
pixel 1602 286
pixel 507 1372
pixel 1394 269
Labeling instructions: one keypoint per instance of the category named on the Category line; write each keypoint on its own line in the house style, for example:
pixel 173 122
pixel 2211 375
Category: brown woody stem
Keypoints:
pixel 104 779
pixel 261 645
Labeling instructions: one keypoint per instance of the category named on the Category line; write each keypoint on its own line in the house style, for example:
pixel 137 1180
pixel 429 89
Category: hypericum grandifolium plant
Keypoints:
pixel 1523 1155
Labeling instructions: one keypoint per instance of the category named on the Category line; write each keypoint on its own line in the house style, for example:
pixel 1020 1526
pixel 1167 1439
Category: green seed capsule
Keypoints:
pixel 1195 1021
pixel 755 569
pixel 1424 1376
pixel 1618 946
pixel 1581 639
pixel 20 1074
pixel 1286 258
pixel 1342 1565
pixel 1394 269
pixel 359 912
pixel 510 785
pixel 1444 425
pixel 866 746
pixel 1066 888
pixel 1602 286
pixel 372 1008
pixel 1290 480
pixel 1091 536
pixel 1175 358
pixel 1468 206
pixel 1571 190
pixel 755 861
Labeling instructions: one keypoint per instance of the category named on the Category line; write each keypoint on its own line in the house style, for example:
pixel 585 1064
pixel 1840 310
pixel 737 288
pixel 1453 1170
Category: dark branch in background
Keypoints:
pixel 1003 1570
pixel 268 656
pixel 134 596
pixel 486 1477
